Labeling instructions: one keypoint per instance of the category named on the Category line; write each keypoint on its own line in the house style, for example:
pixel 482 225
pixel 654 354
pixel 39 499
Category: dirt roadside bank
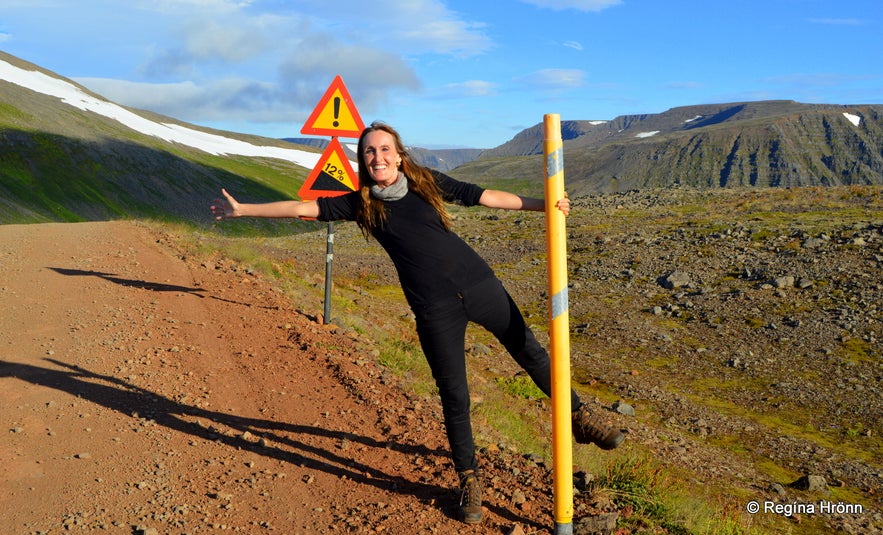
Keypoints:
pixel 139 389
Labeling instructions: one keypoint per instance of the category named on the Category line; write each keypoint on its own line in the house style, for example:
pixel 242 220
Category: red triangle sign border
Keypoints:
pixel 347 105
pixel 307 190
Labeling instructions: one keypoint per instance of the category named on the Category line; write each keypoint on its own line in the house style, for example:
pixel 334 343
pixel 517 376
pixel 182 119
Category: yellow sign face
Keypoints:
pixel 335 115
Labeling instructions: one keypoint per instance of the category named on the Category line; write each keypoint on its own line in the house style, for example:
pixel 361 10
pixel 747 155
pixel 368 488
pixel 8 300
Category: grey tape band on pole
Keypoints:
pixel 560 303
pixel 555 162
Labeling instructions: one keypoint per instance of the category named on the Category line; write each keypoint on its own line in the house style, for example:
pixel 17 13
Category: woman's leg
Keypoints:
pixel 489 305
pixel 442 333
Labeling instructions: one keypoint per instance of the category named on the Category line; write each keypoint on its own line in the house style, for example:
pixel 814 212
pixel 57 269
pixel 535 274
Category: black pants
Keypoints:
pixel 441 327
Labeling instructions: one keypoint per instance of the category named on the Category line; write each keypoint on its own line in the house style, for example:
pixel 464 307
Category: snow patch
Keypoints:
pixel 647 134
pixel 596 123
pixel 173 133
pixel 854 119
pixel 694 119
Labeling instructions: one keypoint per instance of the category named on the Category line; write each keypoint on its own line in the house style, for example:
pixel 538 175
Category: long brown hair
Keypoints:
pixel 420 181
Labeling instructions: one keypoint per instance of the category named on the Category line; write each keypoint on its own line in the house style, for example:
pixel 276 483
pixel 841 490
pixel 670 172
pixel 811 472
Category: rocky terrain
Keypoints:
pixel 154 381
pixel 744 320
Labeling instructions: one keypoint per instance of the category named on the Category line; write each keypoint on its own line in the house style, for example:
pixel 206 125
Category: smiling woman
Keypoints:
pixel 378 153
pixel 446 283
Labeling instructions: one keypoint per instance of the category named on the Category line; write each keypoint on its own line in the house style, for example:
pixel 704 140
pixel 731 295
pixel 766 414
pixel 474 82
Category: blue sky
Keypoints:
pixel 450 72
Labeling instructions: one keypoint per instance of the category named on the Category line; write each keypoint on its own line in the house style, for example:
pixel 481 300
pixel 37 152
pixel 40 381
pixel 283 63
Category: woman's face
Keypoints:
pixel 381 157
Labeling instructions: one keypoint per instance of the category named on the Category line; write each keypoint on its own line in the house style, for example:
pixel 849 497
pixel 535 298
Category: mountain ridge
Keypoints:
pixel 440 159
pixel 752 144
pixel 61 162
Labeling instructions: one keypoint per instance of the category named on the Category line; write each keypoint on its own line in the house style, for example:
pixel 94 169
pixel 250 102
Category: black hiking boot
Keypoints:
pixel 588 428
pixel 470 499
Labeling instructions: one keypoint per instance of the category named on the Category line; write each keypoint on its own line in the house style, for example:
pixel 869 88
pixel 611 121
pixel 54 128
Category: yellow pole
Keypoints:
pixel 559 328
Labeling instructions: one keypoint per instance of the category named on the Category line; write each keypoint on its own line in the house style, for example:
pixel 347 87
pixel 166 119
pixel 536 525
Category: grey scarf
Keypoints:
pixel 393 192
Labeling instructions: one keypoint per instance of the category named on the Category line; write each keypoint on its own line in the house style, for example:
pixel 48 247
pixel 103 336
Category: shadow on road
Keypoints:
pixel 152 286
pixel 282 442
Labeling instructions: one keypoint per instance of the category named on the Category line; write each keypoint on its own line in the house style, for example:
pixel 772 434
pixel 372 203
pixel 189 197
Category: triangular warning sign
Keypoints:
pixel 335 115
pixel 332 176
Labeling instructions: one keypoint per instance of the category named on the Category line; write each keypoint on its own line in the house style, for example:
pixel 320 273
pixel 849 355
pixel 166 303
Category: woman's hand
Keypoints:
pixel 226 208
pixel 564 204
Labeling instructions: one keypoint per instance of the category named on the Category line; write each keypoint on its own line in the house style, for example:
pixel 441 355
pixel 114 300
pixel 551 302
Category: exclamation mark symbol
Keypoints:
pixel 336 111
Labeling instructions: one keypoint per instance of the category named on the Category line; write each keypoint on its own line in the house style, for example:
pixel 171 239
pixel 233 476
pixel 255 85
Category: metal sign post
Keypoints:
pixel 329 260
pixel 335 115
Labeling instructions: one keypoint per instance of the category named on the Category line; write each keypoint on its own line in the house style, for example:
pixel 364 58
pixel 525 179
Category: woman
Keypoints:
pixel 446 283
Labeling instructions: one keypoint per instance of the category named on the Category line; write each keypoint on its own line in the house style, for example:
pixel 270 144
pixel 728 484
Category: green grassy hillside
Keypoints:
pixel 60 163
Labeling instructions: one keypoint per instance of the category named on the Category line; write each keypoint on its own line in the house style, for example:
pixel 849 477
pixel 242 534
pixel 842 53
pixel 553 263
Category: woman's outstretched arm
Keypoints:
pixel 493 198
pixel 229 208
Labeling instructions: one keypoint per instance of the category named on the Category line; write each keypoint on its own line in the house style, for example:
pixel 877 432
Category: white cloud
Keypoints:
pixel 227 99
pixel 187 6
pixel 554 79
pixel 576 45
pixel 249 61
pixel 187 77
pixel 408 26
pixel 201 41
pixel 369 73
pixel 579 5
pixel 303 77
pixel 447 37
pixel 142 95
pixel 301 48
pixel 228 41
pixel 469 88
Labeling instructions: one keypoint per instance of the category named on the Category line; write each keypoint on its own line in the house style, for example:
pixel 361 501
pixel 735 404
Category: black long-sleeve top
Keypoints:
pixel 431 262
